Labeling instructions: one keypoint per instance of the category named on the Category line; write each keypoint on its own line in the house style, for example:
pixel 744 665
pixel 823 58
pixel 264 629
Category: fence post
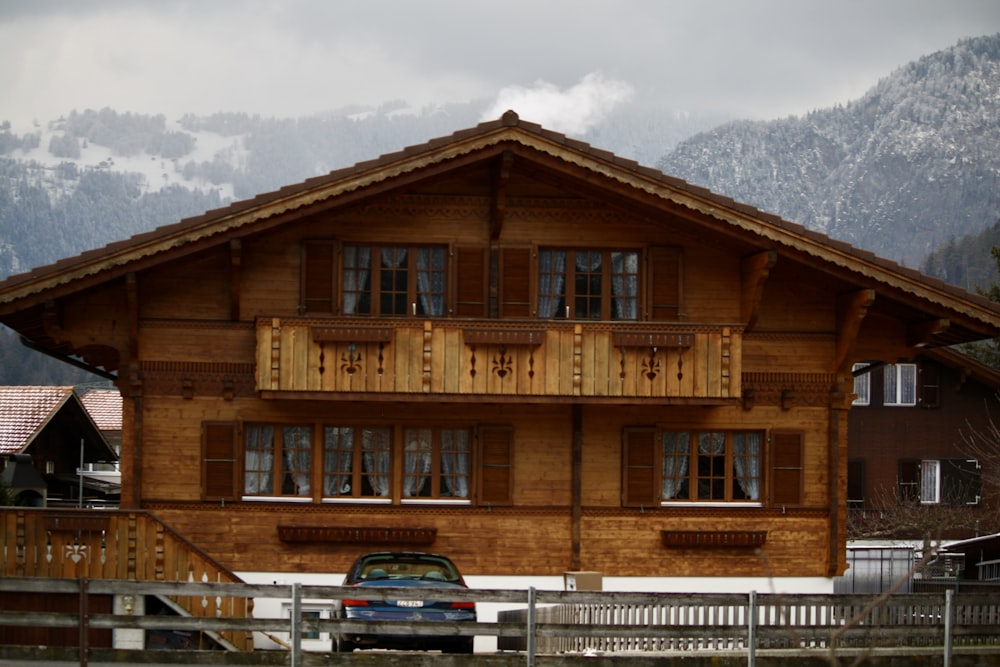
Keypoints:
pixel 84 621
pixel 752 630
pixel 949 612
pixel 531 626
pixel 296 629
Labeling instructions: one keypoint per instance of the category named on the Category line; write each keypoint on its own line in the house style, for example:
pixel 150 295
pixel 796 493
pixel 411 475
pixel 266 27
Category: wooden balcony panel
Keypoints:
pixel 443 358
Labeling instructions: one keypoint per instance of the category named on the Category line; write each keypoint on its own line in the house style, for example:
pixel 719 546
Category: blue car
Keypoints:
pixel 410 570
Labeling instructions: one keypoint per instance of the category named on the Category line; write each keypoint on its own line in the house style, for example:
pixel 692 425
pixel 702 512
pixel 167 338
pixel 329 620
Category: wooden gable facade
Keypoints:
pixel 503 345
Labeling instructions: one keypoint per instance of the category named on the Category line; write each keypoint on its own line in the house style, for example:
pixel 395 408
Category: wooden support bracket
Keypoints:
pixel 755 271
pixel 851 311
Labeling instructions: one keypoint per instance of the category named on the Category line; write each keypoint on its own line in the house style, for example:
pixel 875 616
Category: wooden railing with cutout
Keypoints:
pixel 111 544
pixel 510 359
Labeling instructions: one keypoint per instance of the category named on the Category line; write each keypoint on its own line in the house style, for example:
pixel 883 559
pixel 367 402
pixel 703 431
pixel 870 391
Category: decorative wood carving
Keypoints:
pixel 356 535
pixel 352 334
pixel 651 339
pixel 503 337
pixel 701 539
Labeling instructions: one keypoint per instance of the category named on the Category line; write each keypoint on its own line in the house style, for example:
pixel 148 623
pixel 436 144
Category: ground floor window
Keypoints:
pixel 344 462
pixel 708 466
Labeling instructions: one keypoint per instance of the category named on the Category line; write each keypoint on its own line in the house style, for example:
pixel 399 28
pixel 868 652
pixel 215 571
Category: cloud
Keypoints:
pixel 571 111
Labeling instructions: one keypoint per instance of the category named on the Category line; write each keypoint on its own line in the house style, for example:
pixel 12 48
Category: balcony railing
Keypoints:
pixel 514 359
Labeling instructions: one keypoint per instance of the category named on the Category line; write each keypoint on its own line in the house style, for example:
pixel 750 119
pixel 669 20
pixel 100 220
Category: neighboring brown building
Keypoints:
pixel 503 345
pixel 911 469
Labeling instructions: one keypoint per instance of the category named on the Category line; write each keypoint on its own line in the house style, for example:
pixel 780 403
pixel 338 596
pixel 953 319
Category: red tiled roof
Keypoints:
pixel 105 408
pixel 24 411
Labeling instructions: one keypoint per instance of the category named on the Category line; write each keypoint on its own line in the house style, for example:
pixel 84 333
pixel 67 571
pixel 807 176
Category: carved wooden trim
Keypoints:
pixel 533 337
pixel 65 523
pixel 357 535
pixel 352 334
pixel 650 339
pixel 713 539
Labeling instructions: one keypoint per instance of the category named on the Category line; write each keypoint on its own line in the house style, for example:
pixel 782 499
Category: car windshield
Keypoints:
pixel 402 567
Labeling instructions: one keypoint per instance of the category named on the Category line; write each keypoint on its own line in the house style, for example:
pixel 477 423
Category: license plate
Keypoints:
pixel 409 603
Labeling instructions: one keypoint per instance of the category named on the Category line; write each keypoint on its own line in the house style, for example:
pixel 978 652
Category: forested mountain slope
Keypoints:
pixel 911 164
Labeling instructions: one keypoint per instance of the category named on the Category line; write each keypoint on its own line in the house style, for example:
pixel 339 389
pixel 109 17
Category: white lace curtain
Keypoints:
pixel 430 275
pixel 624 280
pixel 746 460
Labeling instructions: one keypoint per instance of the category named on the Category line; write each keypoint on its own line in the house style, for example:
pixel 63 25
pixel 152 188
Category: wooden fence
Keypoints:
pixel 574 622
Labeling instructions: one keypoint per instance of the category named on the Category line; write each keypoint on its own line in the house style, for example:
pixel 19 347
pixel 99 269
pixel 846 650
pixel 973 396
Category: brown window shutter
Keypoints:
pixel 318 275
pixel 664 281
pixel 786 469
pixel 496 465
pixel 515 282
pixel 471 279
pixel 219 462
pixel 909 480
pixel 929 379
pixel 640 468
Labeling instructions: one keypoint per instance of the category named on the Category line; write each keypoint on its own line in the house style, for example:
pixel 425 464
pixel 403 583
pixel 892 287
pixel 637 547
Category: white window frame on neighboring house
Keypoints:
pixel 899 384
pixel 862 385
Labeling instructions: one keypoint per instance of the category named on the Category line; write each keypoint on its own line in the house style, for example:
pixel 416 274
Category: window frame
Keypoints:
pixel 414 302
pixel 486 474
pixel 862 384
pixel 899 385
pixel 571 274
pixel 645 476
pixel 953 481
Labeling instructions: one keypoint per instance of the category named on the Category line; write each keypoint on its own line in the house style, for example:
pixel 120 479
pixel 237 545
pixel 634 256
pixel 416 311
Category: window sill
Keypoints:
pixel 690 503
pixel 276 499
pixel 336 500
pixel 435 501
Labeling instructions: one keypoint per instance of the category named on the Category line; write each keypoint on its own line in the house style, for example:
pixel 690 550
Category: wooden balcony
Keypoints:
pixel 519 360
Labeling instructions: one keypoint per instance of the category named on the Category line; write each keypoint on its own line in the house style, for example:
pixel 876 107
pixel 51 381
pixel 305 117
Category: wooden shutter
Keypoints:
pixel 961 482
pixel 219 461
pixel 856 483
pixel 640 468
pixel 786 469
pixel 318 274
pixel 496 465
pixel 929 385
pixel 515 282
pixel 909 480
pixel 664 282
pixel 470 281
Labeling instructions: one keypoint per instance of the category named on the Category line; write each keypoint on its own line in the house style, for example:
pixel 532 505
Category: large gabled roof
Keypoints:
pixel 590 167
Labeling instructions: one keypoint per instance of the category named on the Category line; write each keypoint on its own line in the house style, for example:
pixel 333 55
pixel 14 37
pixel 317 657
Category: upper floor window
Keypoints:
pixel 394 280
pixel 473 281
pixel 899 384
pixel 588 284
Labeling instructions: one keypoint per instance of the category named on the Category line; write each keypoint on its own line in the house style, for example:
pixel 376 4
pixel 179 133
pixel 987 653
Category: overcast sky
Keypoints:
pixel 543 58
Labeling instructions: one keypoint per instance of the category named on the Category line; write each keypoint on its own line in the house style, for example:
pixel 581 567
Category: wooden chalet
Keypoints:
pixel 912 468
pixel 503 345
